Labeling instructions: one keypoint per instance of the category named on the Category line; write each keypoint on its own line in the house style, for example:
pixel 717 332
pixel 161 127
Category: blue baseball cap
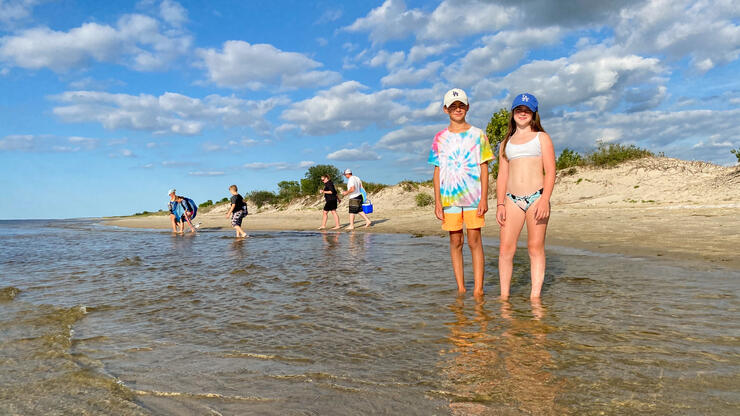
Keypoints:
pixel 528 100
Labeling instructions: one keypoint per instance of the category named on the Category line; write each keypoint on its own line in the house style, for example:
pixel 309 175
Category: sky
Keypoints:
pixel 104 106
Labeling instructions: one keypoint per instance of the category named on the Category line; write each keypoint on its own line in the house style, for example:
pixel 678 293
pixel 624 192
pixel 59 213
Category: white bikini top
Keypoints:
pixel 529 149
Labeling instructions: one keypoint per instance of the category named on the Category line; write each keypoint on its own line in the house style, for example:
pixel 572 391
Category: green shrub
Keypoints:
pixel 260 198
pixel 612 154
pixel 409 185
pixel 289 190
pixel 736 152
pixel 206 204
pixel 423 200
pixel 567 159
pixel 222 200
pixel 371 187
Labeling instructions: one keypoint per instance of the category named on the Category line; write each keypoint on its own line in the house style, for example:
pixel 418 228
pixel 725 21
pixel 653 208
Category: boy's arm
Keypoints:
pixel 438 211
pixel 483 205
pixel 231 209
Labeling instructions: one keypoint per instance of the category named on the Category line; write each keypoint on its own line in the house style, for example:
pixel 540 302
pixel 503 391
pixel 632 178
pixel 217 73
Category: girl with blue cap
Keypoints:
pixel 525 182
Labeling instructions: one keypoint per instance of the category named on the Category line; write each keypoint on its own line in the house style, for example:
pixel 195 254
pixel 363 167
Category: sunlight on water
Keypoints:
pixel 97 320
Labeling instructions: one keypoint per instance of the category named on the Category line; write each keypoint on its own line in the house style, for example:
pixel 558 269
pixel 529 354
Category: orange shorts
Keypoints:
pixel 455 217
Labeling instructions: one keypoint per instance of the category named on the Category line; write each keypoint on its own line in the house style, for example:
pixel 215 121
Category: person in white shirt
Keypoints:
pixel 354 192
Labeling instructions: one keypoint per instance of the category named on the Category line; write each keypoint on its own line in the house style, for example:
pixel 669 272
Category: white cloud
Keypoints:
pixel 47 143
pixel 412 139
pixel 170 113
pixel 466 17
pixel 597 77
pixel 684 134
pixel 362 153
pixel 500 51
pixel 422 51
pixel 389 21
pixel 173 13
pixel 279 165
pixel 706 31
pixel 330 15
pixel 412 76
pixel 12 11
pixel 137 42
pixel 207 173
pixel 345 107
pixel 389 59
pixel 255 66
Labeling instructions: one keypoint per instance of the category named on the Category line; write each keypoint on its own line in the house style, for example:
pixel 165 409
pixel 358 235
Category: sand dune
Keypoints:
pixel 648 207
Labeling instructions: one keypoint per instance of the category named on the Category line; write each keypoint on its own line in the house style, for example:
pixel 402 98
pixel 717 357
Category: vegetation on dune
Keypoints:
pixel 736 152
pixel 423 200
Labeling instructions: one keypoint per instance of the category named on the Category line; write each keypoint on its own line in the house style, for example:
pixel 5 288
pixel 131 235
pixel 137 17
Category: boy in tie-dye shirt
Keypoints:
pixel 460 155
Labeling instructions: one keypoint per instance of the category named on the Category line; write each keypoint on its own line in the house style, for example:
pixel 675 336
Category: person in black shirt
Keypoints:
pixel 331 200
pixel 237 212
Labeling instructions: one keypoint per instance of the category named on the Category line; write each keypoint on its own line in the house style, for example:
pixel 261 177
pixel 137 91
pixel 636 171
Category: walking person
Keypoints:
pixel 460 155
pixel 331 199
pixel 526 178
pixel 237 211
pixel 354 192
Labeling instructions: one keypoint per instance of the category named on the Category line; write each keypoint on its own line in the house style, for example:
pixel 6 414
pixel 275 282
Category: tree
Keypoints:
pixel 289 189
pixel 496 133
pixel 736 152
pixel 312 181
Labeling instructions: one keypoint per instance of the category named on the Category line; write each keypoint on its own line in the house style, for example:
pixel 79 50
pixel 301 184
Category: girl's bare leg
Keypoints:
pixel 323 220
pixel 456 244
pixel 536 231
pixel 336 220
pixel 509 235
pixel 476 251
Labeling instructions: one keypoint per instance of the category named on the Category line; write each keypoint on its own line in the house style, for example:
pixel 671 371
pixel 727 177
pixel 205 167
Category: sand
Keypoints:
pixel 652 207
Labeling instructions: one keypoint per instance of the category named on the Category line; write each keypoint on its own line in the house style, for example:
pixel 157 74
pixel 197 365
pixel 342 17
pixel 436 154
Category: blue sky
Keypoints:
pixel 104 106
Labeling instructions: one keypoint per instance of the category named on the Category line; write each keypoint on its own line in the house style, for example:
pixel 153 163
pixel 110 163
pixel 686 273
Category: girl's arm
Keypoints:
pixel 438 211
pixel 542 210
pixel 501 181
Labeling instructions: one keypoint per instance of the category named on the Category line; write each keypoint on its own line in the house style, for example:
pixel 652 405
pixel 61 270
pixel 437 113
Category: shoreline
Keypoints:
pixel 661 232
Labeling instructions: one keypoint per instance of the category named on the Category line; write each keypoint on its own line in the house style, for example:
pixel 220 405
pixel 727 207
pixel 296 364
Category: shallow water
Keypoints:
pixel 98 320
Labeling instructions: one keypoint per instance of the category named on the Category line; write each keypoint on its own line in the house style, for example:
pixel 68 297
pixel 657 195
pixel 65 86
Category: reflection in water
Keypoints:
pixel 331 241
pixel 499 365
pixel 358 242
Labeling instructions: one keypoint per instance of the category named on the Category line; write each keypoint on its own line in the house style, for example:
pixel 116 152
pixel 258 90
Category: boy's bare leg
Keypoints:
pixel 476 251
pixel 508 236
pixel 456 244
pixel 351 222
pixel 172 221
pixel 536 248
pixel 367 220
pixel 323 220
pixel 336 220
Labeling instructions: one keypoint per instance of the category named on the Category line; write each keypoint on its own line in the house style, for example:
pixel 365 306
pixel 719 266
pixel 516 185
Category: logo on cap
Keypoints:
pixel 525 98
pixel 454 93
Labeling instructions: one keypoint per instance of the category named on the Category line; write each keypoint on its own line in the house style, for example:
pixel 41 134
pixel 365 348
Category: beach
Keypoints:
pixel 652 207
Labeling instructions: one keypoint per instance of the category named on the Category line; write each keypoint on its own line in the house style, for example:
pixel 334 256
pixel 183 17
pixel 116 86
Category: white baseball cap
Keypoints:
pixel 347 171
pixel 172 191
pixel 455 94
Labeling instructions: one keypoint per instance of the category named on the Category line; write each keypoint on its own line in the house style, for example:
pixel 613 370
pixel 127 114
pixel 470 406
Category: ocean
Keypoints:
pixel 102 320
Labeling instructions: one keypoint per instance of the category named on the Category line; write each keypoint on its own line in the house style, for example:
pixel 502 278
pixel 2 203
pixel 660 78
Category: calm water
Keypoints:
pixel 95 320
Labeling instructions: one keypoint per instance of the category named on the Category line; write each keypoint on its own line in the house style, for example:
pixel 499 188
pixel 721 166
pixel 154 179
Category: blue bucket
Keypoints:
pixel 367 207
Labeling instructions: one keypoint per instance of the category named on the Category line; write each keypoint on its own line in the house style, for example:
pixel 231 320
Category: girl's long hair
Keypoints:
pixel 534 124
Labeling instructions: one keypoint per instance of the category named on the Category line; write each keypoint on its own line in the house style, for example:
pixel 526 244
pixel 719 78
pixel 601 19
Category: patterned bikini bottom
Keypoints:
pixel 524 202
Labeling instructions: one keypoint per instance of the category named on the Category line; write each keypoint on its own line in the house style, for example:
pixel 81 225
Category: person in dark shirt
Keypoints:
pixel 331 200
pixel 237 212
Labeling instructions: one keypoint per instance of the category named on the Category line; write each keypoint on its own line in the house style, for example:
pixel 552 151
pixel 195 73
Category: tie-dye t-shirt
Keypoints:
pixel 459 156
